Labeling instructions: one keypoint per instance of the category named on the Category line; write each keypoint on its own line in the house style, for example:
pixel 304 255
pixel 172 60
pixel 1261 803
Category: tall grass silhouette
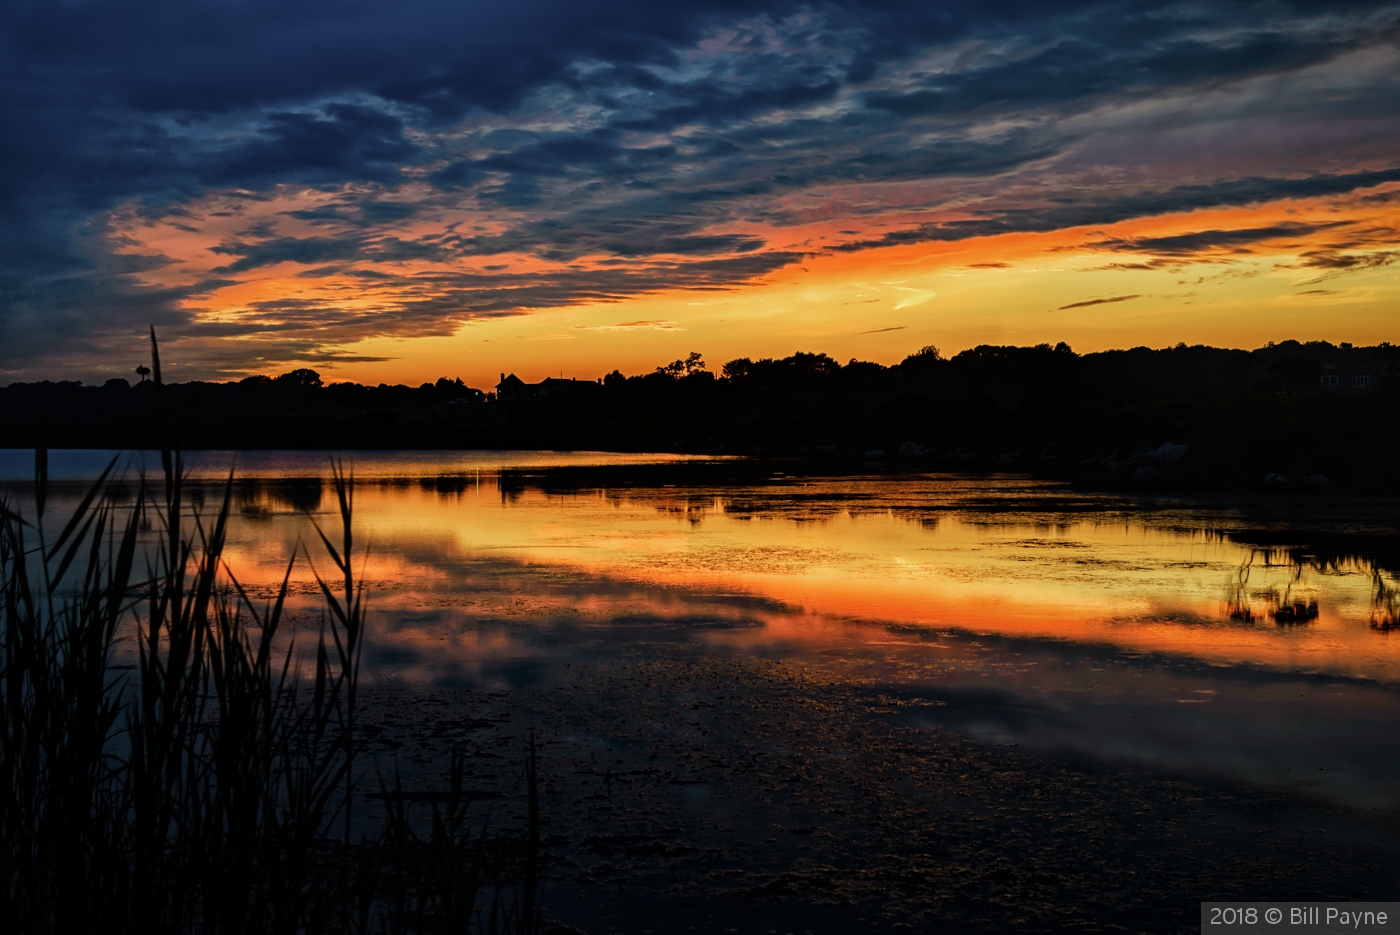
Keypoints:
pixel 204 781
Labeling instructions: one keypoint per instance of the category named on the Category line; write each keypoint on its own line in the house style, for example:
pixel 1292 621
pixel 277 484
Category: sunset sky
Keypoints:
pixel 401 191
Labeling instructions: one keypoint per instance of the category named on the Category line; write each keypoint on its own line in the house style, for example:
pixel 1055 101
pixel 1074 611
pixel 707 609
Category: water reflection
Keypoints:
pixel 1237 638
pixel 1295 603
pixel 1385 604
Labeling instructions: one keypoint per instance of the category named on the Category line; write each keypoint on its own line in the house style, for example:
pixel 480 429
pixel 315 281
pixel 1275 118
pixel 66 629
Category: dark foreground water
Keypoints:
pixel 850 703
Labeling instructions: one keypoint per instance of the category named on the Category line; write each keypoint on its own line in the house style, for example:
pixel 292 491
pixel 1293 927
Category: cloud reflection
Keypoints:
pixel 1065 637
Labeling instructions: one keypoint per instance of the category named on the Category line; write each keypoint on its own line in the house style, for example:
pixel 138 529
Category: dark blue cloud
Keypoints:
pixel 1239 240
pixel 339 142
pixel 1079 69
pixel 613 130
pixel 308 250
pixel 1082 212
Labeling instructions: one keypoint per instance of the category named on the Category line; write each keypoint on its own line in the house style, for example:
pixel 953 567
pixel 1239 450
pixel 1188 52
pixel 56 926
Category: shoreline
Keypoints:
pixel 1126 478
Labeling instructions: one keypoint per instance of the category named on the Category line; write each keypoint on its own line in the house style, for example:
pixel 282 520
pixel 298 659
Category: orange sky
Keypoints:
pixel 400 193
pixel 879 304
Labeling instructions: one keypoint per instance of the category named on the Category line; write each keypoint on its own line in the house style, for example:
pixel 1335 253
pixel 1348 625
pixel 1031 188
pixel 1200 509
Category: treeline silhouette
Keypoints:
pixel 1190 418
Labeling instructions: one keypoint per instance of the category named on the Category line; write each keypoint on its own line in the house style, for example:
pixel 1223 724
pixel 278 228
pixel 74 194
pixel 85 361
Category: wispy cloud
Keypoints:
pixel 916 297
pixel 633 326
pixel 1088 302
pixel 994 217
pixel 1335 263
pixel 1243 240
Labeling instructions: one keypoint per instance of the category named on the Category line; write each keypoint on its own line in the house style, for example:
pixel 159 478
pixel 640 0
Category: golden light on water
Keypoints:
pixel 440 562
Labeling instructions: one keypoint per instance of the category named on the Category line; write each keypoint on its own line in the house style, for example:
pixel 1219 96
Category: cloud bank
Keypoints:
pixel 279 181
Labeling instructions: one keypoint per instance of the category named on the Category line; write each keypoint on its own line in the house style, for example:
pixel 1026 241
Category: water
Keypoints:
pixel 1006 613
pixel 471 586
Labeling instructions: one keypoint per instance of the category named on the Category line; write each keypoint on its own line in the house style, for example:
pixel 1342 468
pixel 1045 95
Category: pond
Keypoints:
pixel 824 700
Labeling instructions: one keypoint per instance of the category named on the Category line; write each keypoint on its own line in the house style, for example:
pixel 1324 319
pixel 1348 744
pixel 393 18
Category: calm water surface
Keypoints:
pixel 1155 632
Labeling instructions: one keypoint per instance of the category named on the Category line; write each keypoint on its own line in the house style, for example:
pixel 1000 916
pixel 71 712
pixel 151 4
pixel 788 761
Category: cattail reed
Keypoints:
pixel 204 783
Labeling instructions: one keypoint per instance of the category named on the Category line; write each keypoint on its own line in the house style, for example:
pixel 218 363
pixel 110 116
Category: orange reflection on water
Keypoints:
pixel 438 562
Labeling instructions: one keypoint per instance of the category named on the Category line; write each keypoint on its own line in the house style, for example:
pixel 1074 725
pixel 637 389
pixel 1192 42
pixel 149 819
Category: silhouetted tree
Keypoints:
pixel 300 377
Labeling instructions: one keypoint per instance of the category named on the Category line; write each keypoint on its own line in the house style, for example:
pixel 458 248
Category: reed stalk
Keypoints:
pixel 204 783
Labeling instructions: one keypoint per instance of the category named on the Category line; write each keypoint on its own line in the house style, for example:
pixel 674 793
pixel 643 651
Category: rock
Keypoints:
pixel 1168 453
pixel 1317 482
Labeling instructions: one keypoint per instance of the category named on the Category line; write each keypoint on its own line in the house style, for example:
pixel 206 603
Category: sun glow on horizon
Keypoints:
pixel 1306 268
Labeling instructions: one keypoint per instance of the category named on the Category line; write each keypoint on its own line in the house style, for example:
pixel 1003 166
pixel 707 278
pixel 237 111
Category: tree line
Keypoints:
pixel 1185 417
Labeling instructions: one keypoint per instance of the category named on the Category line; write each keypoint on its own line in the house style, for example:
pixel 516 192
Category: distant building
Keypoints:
pixel 1345 378
pixel 513 389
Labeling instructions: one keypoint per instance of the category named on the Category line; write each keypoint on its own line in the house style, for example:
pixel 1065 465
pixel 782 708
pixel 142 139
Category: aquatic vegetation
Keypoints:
pixel 1280 606
pixel 1287 609
pixel 1385 605
pixel 167 764
pixel 1237 606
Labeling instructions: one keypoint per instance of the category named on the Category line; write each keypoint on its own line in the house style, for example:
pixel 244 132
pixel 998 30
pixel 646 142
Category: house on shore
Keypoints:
pixel 513 389
pixel 1335 377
